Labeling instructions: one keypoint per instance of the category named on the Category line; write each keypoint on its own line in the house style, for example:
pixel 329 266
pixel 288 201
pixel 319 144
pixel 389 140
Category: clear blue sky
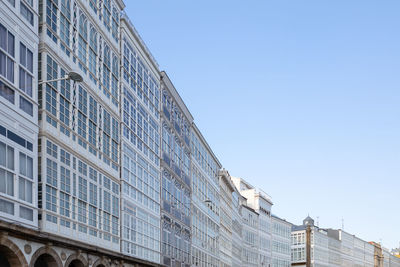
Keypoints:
pixel 301 98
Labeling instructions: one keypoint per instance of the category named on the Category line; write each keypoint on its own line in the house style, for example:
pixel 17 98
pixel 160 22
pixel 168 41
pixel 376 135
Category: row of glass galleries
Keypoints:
pixel 75 194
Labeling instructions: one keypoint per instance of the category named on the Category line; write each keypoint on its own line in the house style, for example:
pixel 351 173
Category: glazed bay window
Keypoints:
pixel 7 53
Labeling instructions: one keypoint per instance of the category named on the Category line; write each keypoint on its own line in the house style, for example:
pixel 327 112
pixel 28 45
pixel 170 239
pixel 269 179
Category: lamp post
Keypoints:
pixel 74 76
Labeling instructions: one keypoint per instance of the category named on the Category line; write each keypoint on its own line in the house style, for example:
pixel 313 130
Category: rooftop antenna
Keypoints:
pixel 342 223
pixel 317 221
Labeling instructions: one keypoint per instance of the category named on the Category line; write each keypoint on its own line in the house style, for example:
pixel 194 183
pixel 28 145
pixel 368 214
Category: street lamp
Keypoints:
pixel 74 76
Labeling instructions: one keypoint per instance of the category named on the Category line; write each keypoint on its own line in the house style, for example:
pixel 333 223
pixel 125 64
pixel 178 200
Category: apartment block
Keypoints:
pixel 205 202
pixel 19 127
pixel 256 216
pixel 176 182
pixel 315 246
pixel 140 147
pixel 281 242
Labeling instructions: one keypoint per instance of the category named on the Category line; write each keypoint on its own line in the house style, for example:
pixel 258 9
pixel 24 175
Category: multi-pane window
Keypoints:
pixel 92 216
pixel 64 103
pixel 106 71
pixel 92 54
pixel 64 204
pixel 51 198
pixel 7 53
pixel 82 42
pixel 81 211
pixel 25 69
pixel 107 14
pixel 114 81
pixel 25 105
pixel 51 19
pixel 65 23
pixel 12 2
pixel 51 91
pixel 26 12
pixel 51 149
pixel 82 188
pixel 115 23
pixel 6 92
pixel 141 129
pixel 65 157
pixel 93 194
pixel 6 165
pixel 51 173
pixel 82 115
pixel 65 180
pixel 25 165
pixel 93 5
pixel 107 201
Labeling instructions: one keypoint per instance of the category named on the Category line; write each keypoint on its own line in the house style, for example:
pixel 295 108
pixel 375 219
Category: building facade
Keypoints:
pixel 261 203
pixel 237 228
pixel 176 183
pixel 19 43
pixel 281 242
pixel 205 202
pixel 110 170
pixel 79 146
pixel 226 188
pixel 140 147
pixel 314 246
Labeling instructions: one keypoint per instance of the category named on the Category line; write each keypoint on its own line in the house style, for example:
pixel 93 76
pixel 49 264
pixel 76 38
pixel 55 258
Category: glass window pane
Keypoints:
pixel 28 188
pixel 21 188
pixel 10 70
pixel 28 87
pixel 10 44
pixel 22 54
pixel 3 60
pixel 22 79
pixel 2 154
pixel 3 37
pixel 29 60
pixel 29 167
pixel 10 184
pixel 22 163
pixel 10 157
pixel 2 181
